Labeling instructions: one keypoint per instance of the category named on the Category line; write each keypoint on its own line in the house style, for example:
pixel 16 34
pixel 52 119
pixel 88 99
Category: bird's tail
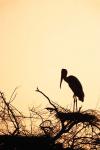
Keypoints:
pixel 81 99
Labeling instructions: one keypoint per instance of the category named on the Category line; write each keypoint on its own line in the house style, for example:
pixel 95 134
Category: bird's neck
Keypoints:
pixel 65 79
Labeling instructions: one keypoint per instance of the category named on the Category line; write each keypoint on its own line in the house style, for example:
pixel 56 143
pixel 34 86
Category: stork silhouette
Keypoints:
pixel 75 86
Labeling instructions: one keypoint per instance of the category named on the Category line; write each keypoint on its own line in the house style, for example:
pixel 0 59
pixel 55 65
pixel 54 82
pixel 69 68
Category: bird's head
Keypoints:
pixel 63 75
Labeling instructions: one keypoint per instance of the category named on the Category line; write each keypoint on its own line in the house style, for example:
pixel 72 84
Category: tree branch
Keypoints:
pixel 37 90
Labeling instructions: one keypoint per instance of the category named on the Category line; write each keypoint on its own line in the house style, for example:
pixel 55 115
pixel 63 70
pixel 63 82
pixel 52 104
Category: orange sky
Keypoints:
pixel 38 38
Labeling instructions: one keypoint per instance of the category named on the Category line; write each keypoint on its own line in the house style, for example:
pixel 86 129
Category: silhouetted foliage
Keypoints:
pixel 58 129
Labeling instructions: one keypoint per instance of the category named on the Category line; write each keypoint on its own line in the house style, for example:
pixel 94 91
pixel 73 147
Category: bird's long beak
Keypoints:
pixel 61 80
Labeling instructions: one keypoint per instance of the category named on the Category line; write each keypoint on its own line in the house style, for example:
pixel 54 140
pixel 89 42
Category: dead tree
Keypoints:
pixel 75 130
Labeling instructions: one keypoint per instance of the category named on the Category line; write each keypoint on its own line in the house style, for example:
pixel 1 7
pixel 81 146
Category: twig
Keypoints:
pixel 37 90
pixel 15 122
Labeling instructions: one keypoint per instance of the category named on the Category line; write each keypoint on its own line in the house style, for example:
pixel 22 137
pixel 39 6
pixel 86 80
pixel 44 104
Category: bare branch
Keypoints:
pixel 37 90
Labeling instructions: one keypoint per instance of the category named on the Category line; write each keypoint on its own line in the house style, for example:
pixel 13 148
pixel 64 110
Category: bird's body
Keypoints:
pixel 74 84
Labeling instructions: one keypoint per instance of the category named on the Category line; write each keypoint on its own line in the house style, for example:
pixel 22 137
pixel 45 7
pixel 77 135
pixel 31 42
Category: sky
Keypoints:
pixel 38 39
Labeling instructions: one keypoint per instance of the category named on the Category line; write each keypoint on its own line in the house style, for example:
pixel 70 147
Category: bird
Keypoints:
pixel 75 86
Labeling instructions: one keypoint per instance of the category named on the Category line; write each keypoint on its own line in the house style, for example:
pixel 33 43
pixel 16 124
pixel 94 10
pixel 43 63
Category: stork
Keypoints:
pixel 75 86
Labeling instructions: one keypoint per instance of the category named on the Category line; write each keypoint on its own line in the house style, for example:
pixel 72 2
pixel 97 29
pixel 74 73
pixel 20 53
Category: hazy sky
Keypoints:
pixel 38 38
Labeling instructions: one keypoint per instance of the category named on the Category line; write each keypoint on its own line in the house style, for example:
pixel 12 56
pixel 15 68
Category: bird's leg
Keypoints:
pixel 74 106
pixel 74 102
